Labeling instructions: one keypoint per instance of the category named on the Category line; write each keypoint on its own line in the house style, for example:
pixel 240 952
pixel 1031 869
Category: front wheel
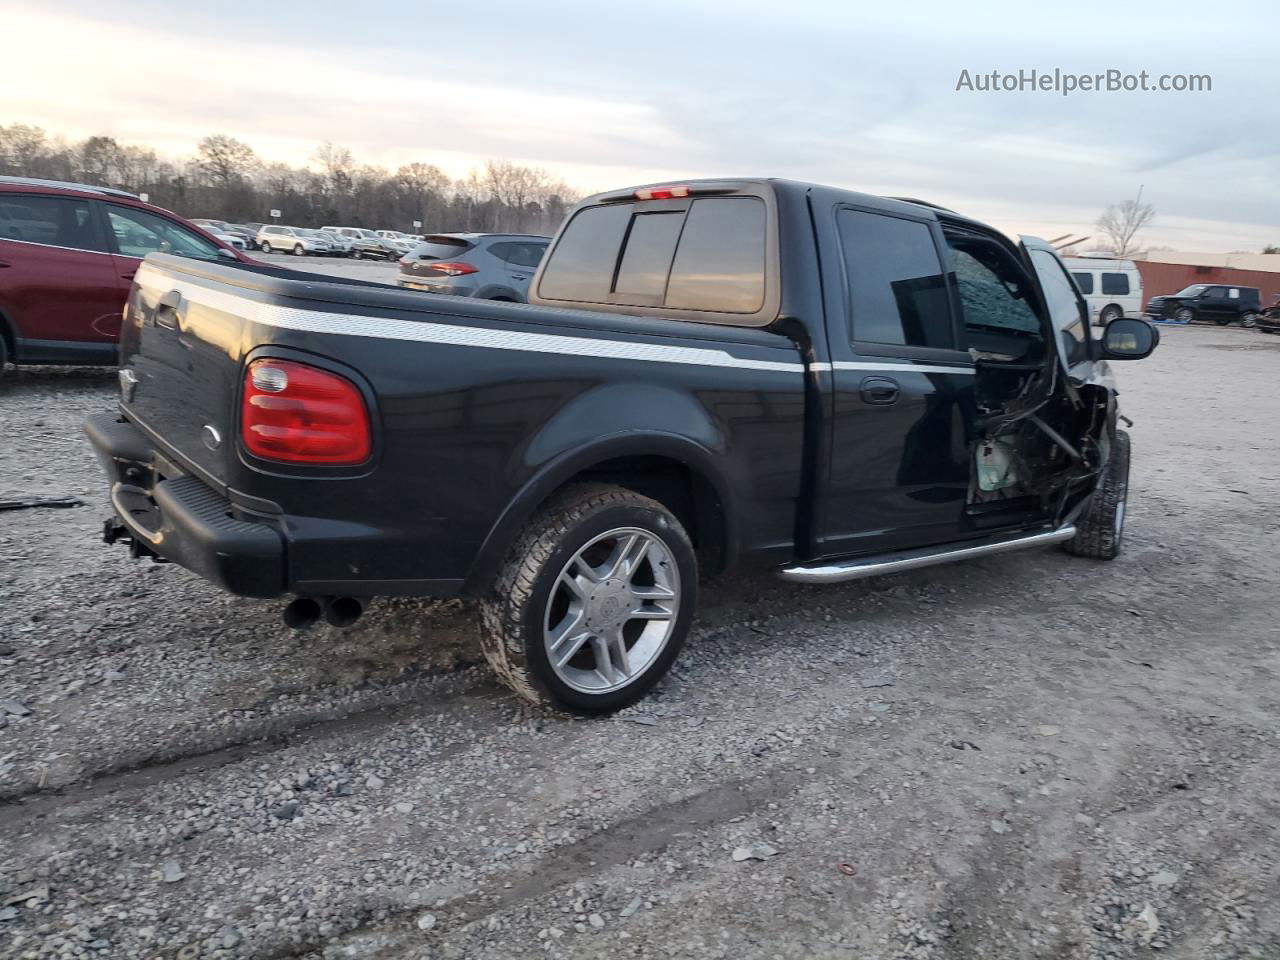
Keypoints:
pixel 1101 527
pixel 1108 314
pixel 298 250
pixel 1184 315
pixel 594 601
pixel 265 247
pixel 1249 320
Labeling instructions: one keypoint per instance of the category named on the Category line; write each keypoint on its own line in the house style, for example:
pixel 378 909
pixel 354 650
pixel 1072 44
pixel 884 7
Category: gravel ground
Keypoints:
pixel 1025 756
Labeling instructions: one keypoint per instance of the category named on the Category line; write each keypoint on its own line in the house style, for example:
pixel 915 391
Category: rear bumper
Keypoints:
pixel 173 516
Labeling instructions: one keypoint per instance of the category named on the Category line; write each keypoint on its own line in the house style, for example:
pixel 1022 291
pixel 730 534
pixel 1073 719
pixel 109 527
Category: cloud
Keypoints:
pixel 612 94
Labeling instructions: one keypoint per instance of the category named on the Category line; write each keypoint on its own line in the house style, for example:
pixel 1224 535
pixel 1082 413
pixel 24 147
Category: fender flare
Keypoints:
pixel 700 461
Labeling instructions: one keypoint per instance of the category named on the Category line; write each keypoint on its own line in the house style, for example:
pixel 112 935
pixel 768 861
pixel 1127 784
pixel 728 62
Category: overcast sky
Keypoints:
pixel 612 94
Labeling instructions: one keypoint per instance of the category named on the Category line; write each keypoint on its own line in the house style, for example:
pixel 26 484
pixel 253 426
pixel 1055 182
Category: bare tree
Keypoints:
pixel 1122 221
pixel 427 187
pixel 21 148
pixel 99 160
pixel 337 165
pixel 226 180
pixel 225 160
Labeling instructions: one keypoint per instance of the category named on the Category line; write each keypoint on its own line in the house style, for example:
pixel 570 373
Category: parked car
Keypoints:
pixel 1222 303
pixel 296 240
pixel 68 253
pixel 1269 319
pixel 489 266
pixel 366 244
pixel 402 243
pixel 1111 288
pixel 342 245
pixel 824 383
pixel 238 235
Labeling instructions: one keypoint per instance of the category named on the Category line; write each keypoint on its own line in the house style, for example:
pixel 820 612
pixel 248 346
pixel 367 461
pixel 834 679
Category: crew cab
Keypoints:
pixel 710 374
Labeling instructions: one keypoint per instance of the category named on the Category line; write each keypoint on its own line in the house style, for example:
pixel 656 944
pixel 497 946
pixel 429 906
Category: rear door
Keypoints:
pixel 903 391
pixel 57 280
pixel 521 259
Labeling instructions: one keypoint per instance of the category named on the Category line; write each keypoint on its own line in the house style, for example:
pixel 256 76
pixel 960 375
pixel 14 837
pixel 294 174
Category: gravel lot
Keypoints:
pixel 1025 756
pixel 380 271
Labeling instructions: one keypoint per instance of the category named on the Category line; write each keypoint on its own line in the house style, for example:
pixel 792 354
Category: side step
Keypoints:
pixel 837 571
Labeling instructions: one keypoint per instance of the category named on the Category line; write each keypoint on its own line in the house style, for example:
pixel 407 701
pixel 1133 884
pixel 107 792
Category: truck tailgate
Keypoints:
pixel 180 363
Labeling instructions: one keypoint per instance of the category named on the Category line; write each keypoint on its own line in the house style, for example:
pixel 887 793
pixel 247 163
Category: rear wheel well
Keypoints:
pixel 690 496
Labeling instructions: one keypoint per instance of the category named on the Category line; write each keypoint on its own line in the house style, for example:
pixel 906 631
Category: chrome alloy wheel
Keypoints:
pixel 612 610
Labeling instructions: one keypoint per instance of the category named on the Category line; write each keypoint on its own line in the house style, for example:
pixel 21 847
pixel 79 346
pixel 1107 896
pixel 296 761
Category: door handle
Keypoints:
pixel 880 390
pixel 129 275
pixel 166 314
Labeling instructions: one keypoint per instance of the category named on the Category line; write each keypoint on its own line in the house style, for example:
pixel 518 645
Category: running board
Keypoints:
pixel 837 571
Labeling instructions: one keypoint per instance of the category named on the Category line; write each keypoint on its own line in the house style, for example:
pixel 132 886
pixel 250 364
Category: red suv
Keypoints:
pixel 68 253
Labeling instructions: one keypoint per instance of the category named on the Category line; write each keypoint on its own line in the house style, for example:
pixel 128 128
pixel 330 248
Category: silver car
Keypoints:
pixel 341 245
pixel 296 240
pixel 489 266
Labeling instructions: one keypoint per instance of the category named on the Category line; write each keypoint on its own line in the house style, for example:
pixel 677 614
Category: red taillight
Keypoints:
pixel 452 268
pixel 662 193
pixel 297 413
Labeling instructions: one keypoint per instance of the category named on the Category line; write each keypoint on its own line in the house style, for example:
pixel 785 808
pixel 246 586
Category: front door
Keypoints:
pixel 903 391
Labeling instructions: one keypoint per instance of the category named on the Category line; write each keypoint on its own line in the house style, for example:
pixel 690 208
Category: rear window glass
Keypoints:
pixel 582 266
pixel 440 249
pixel 719 264
pixel 1115 284
pixel 1084 281
pixel 709 256
pixel 647 259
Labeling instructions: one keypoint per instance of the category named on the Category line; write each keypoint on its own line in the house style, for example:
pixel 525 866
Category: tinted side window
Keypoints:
pixel 651 243
pixel 56 221
pixel 719 264
pixel 1085 282
pixel 1115 284
pixel 897 289
pixel 139 232
pixel 581 268
pixel 520 253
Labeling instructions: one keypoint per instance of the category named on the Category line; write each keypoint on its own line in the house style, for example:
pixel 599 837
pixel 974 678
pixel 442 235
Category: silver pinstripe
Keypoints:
pixel 389 328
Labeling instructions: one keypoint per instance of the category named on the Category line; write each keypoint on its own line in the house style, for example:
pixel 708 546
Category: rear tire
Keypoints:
pixel 1108 314
pixel 1100 528
pixel 1249 320
pixel 593 602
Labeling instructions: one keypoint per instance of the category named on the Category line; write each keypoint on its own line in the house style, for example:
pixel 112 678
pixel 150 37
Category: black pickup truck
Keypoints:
pixel 825 383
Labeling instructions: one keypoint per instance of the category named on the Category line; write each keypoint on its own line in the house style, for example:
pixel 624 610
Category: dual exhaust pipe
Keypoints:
pixel 337 611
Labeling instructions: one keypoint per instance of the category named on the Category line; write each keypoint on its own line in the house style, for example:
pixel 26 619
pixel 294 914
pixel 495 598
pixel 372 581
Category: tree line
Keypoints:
pixel 227 180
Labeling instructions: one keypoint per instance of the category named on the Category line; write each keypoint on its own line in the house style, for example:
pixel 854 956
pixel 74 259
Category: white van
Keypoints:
pixel 1111 288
